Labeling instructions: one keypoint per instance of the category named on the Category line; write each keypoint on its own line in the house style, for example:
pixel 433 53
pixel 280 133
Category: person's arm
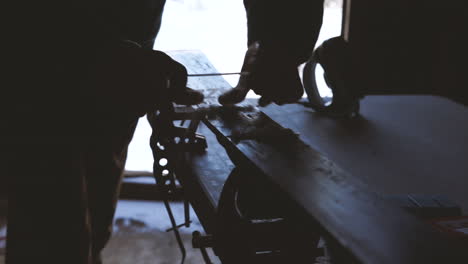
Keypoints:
pixel 291 27
pixel 124 72
pixel 71 57
pixel 281 36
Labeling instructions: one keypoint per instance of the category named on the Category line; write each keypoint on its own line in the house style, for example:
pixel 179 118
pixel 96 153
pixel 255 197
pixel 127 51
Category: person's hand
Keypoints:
pixel 269 73
pixel 135 80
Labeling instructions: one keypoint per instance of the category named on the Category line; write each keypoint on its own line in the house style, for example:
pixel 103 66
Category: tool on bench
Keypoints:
pixel 168 142
pixel 162 145
pixel 217 74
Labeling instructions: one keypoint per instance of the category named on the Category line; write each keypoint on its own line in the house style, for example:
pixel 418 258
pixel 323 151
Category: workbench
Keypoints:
pixel 334 171
pixel 399 144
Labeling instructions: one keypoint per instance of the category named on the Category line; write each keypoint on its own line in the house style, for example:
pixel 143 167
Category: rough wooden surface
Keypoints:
pixel 399 145
pixel 374 231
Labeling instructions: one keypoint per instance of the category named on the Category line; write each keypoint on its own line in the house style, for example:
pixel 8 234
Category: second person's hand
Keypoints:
pixel 270 73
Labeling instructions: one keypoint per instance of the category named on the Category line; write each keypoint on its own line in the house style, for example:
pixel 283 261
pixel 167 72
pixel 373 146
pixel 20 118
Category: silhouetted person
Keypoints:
pixel 84 72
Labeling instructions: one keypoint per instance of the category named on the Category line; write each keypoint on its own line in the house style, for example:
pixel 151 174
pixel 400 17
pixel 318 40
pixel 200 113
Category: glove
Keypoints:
pixel 270 73
pixel 136 81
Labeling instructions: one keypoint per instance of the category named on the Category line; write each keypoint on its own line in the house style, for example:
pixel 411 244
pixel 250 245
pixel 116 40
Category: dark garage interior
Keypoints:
pixel 313 132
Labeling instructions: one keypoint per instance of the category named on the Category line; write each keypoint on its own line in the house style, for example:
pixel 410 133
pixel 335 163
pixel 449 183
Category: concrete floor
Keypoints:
pixel 140 235
pixel 2 230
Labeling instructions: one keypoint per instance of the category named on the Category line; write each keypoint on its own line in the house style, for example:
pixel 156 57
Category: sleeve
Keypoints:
pixel 290 27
